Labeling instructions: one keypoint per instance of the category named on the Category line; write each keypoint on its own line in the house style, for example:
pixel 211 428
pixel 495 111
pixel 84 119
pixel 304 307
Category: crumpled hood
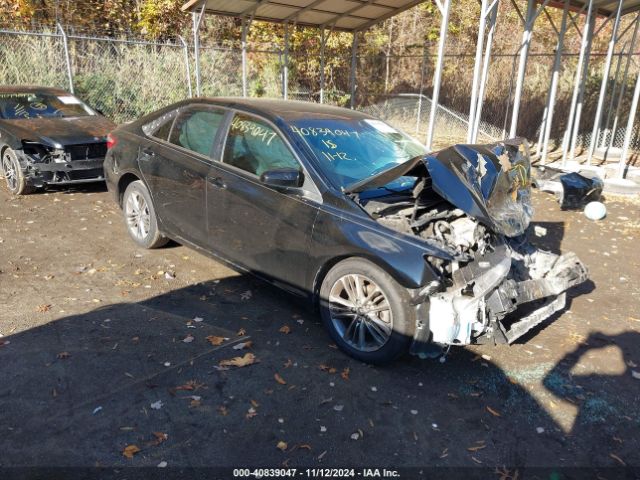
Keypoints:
pixel 489 182
pixel 65 131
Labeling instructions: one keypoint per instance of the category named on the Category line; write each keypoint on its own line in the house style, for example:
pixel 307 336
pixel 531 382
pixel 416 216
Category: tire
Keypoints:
pixel 13 174
pixel 140 217
pixel 387 330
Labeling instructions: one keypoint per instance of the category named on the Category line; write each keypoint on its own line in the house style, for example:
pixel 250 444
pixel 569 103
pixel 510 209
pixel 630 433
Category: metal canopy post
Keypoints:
pixel 529 21
pixel 629 131
pixel 614 88
pixel 603 87
pixel 243 40
pixel 185 47
pixel 476 69
pixel 437 77
pixel 67 57
pixel 624 81
pixel 352 73
pixel 323 42
pixel 554 83
pixel 485 71
pixel 573 122
pixel 197 20
pixel 420 91
pixel 285 66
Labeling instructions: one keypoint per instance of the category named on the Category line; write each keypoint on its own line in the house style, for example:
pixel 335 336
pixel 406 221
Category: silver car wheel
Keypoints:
pixel 360 312
pixel 137 215
pixel 9 171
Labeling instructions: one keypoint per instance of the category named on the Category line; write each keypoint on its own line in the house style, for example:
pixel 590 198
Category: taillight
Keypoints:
pixel 111 141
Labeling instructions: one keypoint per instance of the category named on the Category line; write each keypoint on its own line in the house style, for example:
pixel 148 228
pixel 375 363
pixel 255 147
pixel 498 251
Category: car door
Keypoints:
pixel 176 168
pixel 264 229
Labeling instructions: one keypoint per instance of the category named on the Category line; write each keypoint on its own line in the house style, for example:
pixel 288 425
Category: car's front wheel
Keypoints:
pixel 368 314
pixel 13 175
pixel 140 216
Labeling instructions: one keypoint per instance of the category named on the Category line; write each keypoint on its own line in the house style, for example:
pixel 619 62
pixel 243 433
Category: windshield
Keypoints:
pixel 41 105
pixel 350 150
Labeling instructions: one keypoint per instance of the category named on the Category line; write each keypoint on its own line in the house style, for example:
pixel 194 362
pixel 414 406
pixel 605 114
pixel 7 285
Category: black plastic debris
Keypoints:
pixel 573 190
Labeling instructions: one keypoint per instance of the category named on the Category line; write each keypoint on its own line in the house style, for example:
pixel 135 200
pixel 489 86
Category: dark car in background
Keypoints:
pixel 49 137
pixel 402 249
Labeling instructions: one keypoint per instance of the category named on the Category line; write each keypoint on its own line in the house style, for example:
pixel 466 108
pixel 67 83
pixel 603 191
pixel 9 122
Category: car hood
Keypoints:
pixel 491 183
pixel 63 131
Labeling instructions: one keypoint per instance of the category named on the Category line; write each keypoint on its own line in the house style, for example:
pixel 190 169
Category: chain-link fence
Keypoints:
pixel 126 78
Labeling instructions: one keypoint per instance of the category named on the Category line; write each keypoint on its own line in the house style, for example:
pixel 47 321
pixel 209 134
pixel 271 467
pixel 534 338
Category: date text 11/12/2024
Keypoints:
pixel 315 473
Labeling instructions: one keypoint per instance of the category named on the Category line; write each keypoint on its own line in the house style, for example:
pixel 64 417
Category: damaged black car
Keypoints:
pixel 49 137
pixel 401 249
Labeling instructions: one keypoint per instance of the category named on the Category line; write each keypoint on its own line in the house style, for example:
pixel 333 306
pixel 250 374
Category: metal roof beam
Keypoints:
pixel 386 16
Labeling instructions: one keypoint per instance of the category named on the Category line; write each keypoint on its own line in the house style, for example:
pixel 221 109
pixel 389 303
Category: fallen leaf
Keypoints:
pixel 288 363
pixel 215 341
pixel 247 359
pixel 43 308
pixel 222 410
pixel 281 445
pixel 251 413
pixel 279 379
pixel 345 374
pixel 130 450
pixel 618 459
pixel 241 333
pixel 190 385
pixel 255 404
pixel 243 345
pixel 285 329
pixel 63 355
pixel 476 448
pixel 160 437
pixel 493 412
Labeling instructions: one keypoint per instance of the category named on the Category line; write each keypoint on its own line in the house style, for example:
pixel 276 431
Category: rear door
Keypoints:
pixel 264 229
pixel 176 167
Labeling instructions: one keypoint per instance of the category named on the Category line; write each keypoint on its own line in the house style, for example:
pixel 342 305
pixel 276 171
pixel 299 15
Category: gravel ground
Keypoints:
pixel 105 346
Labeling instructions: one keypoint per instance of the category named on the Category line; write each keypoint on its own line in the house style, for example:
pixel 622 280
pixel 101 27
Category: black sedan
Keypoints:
pixel 402 250
pixel 49 137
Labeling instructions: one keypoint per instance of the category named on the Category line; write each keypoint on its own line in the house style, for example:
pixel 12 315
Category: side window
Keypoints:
pixel 253 146
pixel 161 126
pixel 196 128
pixel 163 131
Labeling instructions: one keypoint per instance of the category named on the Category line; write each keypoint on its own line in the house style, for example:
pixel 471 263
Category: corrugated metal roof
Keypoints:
pixel 604 7
pixel 346 15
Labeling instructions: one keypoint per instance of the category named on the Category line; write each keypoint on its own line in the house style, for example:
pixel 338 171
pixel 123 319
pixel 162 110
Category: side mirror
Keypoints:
pixel 283 177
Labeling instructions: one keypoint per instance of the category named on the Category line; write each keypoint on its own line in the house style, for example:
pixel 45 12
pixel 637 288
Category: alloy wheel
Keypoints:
pixel 9 171
pixel 138 215
pixel 360 312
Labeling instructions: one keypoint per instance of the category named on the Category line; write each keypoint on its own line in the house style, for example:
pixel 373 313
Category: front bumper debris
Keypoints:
pixel 499 297
pixel 65 173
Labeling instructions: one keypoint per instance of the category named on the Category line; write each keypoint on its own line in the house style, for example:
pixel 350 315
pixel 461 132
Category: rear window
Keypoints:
pixel 15 106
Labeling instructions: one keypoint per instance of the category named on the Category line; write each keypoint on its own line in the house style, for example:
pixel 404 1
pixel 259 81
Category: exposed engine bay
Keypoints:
pixel 474 201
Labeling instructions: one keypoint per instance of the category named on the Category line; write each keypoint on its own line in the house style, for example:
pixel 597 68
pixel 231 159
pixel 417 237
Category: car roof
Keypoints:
pixel 31 89
pixel 287 110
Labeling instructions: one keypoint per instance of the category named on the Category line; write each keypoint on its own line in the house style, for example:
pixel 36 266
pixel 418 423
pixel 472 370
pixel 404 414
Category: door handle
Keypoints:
pixel 217 182
pixel 147 154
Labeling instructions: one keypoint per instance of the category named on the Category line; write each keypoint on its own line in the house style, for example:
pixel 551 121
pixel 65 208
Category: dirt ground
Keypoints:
pixel 104 346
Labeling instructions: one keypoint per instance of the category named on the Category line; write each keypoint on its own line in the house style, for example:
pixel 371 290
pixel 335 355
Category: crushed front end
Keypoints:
pixel 51 164
pixel 475 200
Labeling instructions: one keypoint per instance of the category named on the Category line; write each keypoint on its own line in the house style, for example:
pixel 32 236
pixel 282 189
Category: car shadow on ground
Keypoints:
pixel 77 391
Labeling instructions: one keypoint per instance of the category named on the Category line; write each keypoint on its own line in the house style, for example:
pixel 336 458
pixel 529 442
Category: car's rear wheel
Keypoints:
pixel 368 314
pixel 140 216
pixel 13 175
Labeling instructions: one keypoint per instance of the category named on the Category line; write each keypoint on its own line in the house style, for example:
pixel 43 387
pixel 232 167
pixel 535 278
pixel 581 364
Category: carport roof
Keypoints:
pixel 604 7
pixel 345 15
